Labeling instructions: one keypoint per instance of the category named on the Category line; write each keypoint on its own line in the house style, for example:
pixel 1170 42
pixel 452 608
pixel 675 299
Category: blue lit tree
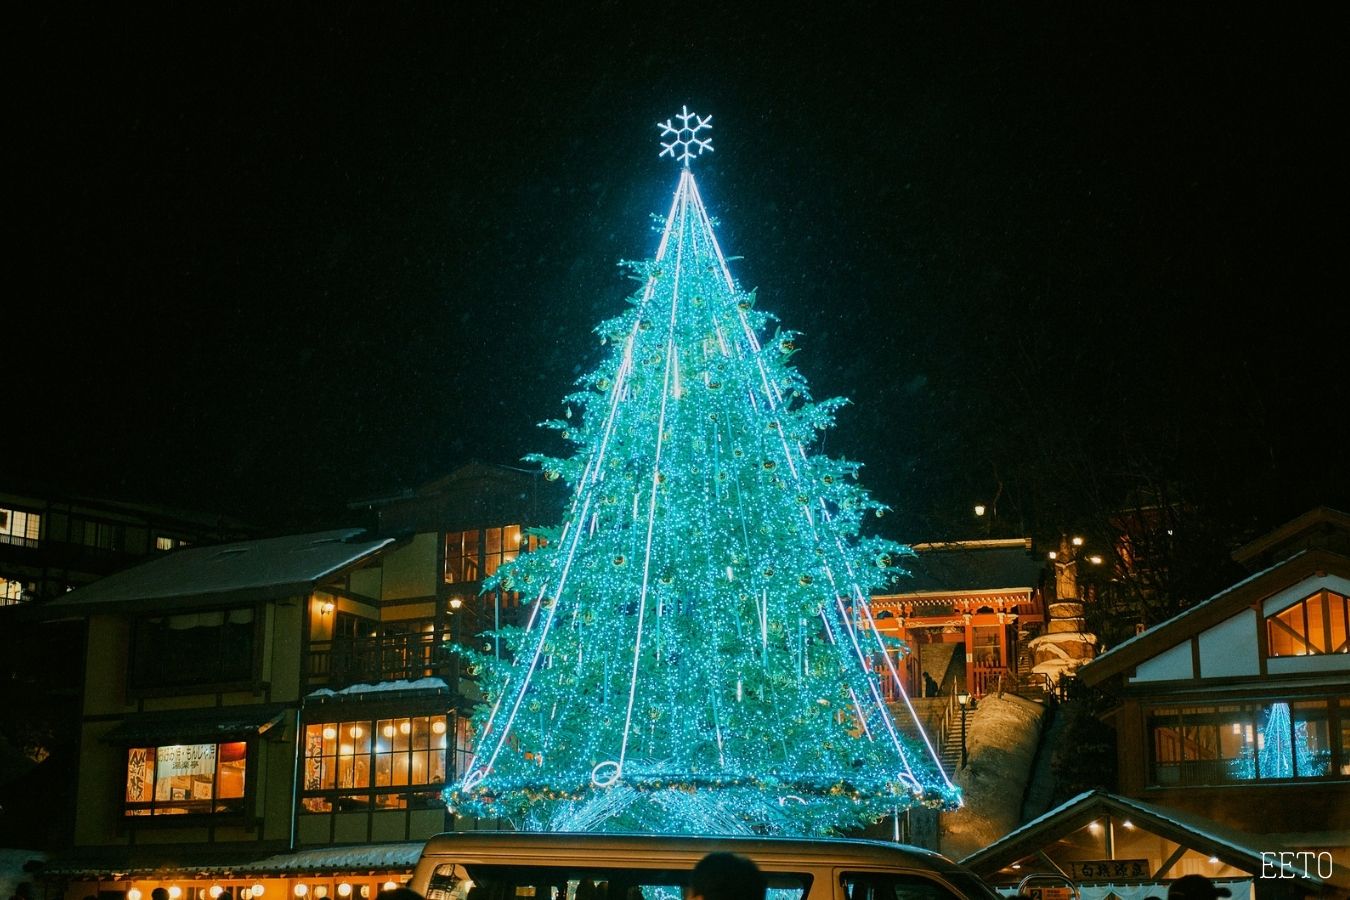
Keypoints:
pixel 696 658
pixel 1282 750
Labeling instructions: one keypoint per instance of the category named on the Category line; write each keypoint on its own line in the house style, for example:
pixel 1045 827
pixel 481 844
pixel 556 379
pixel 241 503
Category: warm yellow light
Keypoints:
pixel 1095 827
pixel 1095 559
pixel 346 749
pixel 321 891
pixel 1214 860
pixel 1127 823
pixel 259 889
pixel 301 889
pixel 344 889
pixel 389 731
pixel 1053 555
pixel 357 731
pixel 456 602
pixel 134 894
pixel 1078 542
pixel 329 732
pixel 979 509
pixel 365 890
pixel 327 607
pixel 438 727
pixel 216 891
pixel 405 726
pixel 175 892
pixel 389 885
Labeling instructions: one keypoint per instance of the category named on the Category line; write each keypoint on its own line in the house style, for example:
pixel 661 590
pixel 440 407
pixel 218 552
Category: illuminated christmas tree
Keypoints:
pixel 698 656
pixel 1282 750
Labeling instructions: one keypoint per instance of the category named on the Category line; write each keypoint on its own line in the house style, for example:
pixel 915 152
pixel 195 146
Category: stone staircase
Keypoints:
pixel 941 720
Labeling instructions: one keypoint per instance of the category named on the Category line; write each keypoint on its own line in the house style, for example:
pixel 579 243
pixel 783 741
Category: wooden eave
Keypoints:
pixel 1322 516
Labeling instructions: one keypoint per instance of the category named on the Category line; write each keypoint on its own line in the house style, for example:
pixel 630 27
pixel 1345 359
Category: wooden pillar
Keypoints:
pixel 970 655
pixel 1003 641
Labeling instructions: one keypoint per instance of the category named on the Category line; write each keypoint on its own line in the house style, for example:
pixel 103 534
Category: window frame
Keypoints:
pixel 1320 645
pixel 1252 716
pixel 170 687
pixel 364 797
pixel 240 806
pixel 31 532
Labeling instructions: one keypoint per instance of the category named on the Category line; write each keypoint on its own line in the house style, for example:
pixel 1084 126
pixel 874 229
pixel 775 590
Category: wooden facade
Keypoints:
pixel 968 605
pixel 1239 708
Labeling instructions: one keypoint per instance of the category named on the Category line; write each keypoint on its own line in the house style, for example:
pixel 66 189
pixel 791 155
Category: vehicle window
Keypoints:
pixel 506 882
pixel 894 886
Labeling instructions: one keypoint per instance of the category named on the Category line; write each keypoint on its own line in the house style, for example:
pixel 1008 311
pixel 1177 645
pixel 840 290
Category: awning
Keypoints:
pixel 208 862
pixel 228 723
pixel 362 858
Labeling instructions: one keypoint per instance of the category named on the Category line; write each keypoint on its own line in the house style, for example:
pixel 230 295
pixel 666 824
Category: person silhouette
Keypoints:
pixel 930 687
pixel 727 876
pixel 1195 887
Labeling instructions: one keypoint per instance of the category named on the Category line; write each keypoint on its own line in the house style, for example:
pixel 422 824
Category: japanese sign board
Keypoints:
pixel 1102 869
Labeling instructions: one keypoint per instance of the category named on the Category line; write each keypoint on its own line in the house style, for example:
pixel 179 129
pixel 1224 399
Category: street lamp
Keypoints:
pixel 966 702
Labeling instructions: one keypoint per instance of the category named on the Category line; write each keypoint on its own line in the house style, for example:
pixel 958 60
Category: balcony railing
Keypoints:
pixel 19 540
pixel 366 660
pixel 991 679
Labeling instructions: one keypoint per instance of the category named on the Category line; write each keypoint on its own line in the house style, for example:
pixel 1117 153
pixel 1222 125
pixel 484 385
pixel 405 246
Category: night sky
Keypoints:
pixel 273 258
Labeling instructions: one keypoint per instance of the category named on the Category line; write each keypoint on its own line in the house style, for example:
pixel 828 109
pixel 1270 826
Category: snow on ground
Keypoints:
pixel 1001 738
pixel 11 869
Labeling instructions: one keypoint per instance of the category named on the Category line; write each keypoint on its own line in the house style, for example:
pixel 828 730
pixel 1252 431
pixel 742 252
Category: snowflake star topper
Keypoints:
pixel 684 137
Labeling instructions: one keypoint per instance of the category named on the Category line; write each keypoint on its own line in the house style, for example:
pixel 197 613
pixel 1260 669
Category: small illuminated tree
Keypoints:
pixel 697 658
pixel 1282 750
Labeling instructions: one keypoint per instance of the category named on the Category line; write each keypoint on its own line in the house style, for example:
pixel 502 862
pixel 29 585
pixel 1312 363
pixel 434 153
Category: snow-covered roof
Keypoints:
pixel 1194 831
pixel 362 857
pixel 970 566
pixel 260 570
pixel 421 684
pixel 1209 612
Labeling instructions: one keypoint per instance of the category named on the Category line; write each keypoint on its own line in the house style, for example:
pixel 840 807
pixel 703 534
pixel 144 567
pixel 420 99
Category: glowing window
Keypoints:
pixel 12 590
pixel 183 779
pixel 1313 626
pixel 20 527
pixel 388 763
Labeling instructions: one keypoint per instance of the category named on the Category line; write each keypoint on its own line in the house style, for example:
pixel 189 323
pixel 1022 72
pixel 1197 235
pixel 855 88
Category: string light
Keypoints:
pixel 699 647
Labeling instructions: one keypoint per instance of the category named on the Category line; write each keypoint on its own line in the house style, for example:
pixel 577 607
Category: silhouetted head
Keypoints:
pixel 726 876
pixel 1195 887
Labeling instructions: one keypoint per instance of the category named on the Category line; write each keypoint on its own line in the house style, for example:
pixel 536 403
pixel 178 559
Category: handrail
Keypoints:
pixel 943 730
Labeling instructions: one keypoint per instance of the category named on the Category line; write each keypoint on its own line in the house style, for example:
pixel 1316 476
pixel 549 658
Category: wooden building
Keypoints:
pixel 1120 848
pixel 965 607
pixel 278 718
pixel 1238 709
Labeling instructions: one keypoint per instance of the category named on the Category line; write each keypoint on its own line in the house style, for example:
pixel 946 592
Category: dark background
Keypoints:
pixel 268 259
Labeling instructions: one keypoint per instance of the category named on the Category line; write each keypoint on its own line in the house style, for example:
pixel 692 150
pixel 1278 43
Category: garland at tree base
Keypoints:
pixel 659 807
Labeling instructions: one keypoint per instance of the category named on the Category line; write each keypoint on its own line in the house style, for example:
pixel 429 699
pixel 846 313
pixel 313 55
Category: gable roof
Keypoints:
pixel 1208 613
pixel 246 570
pixel 1322 527
pixel 965 566
pixel 1192 831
